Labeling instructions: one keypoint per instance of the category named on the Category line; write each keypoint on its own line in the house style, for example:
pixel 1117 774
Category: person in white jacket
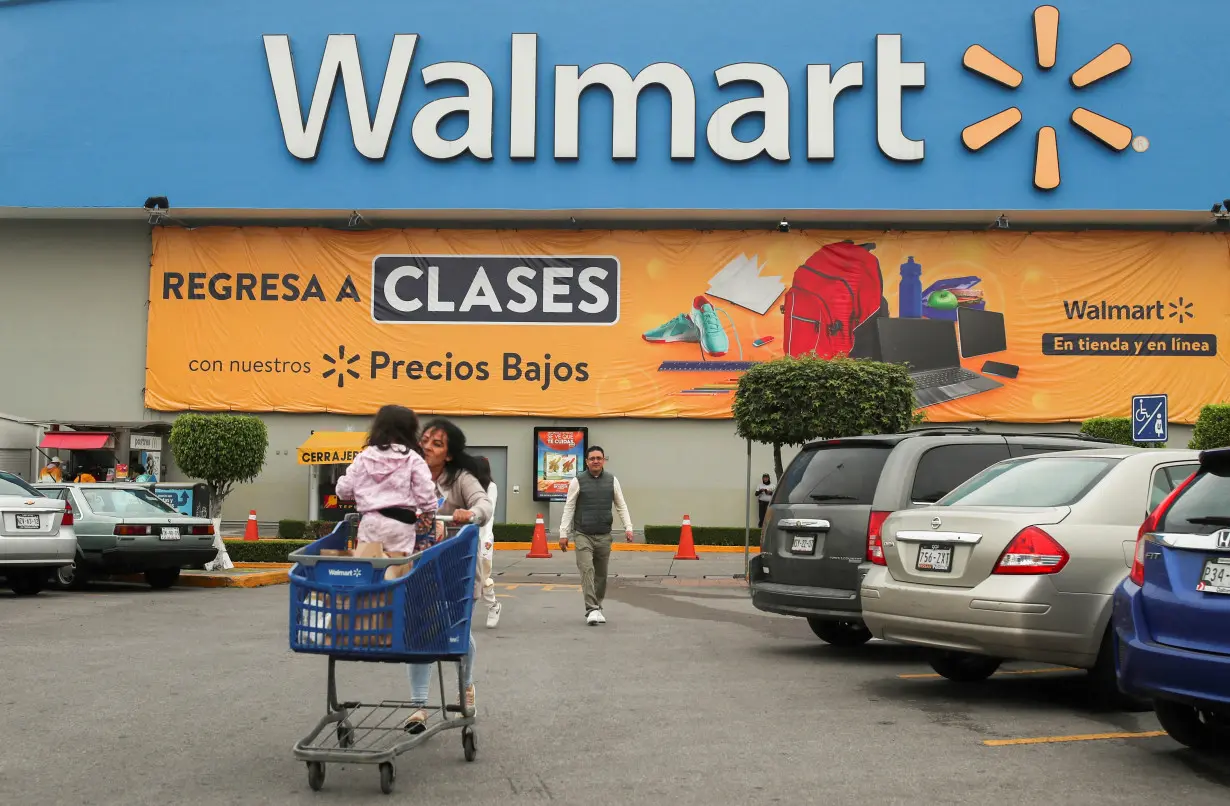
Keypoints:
pixel 486 549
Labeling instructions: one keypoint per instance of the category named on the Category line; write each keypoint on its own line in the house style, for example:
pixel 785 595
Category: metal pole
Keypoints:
pixel 747 513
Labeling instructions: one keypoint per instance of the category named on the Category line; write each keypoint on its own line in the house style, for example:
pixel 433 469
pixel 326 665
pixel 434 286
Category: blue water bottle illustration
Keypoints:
pixel 909 293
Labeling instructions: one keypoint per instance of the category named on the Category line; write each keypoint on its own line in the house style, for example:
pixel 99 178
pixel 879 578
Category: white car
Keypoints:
pixel 1021 562
pixel 36 535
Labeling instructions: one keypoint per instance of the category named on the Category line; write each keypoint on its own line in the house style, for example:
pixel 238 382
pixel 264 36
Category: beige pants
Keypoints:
pixel 593 559
pixel 484 573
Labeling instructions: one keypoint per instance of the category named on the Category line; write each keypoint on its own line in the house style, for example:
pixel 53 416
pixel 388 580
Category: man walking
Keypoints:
pixel 587 515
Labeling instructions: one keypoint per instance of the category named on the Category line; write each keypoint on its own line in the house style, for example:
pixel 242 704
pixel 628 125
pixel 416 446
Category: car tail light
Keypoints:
pixel 128 529
pixel 68 515
pixel 1032 551
pixel 1150 525
pixel 875 542
pixel 208 529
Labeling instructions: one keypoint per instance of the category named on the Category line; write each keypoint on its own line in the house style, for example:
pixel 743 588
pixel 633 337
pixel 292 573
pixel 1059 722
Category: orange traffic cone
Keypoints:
pixel 538 548
pixel 251 532
pixel 687 550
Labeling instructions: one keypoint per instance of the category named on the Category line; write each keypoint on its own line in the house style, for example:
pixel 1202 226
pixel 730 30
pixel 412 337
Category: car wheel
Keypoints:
pixel 28 582
pixel 1104 679
pixel 72 577
pixel 840 633
pixel 1194 727
pixel 962 667
pixel 161 578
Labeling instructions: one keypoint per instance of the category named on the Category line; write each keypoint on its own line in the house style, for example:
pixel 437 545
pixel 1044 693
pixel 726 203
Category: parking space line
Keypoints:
pixel 1087 737
pixel 1050 670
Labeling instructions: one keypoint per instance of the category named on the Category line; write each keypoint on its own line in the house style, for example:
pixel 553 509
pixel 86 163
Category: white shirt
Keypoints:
pixel 574 489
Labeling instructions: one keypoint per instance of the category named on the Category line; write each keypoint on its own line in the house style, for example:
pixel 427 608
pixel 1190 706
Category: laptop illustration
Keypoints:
pixel 929 348
pixel 983 333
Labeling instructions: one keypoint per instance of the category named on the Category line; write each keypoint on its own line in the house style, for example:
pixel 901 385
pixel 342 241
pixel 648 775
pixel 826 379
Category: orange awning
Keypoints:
pixel 332 447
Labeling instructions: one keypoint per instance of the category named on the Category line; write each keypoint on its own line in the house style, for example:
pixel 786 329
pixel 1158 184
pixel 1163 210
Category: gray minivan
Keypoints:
pixel 822 530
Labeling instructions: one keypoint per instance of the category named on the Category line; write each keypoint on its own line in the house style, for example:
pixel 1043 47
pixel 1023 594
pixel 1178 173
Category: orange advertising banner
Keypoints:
pixel 999 326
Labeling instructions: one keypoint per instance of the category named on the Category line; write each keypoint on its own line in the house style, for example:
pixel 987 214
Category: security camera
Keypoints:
pixel 157 203
pixel 1002 222
pixel 784 226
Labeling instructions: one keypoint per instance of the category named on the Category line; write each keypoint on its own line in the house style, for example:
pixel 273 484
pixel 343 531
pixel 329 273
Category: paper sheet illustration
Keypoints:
pixel 741 283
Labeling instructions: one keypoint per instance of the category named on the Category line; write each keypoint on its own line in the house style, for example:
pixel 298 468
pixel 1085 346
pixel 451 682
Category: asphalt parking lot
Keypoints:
pixel 687 696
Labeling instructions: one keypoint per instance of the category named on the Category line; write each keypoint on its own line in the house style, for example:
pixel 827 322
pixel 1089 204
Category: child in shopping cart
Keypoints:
pixel 392 487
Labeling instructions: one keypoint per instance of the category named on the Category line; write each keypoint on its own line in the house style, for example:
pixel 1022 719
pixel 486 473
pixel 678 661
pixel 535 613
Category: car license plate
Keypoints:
pixel 28 522
pixel 934 557
pixel 170 533
pixel 804 544
pixel 1216 576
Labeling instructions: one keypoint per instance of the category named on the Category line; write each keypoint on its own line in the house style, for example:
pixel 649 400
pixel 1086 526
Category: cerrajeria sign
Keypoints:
pixel 371 137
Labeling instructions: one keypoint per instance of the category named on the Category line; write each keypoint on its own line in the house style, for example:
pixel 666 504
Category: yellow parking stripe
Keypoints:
pixel 1087 737
pixel 1048 670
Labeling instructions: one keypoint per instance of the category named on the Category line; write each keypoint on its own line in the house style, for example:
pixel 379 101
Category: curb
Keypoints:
pixel 275 574
pixel 648 547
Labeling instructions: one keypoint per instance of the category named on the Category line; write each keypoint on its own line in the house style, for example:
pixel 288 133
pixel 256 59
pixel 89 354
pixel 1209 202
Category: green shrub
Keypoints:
pixel 292 529
pixel 790 401
pixel 1115 429
pixel 1212 428
pixel 513 532
pixel 701 535
pixel 262 551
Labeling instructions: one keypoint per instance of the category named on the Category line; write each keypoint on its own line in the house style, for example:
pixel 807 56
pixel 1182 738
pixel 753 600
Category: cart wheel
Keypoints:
pixel 469 742
pixel 316 775
pixel 345 736
pixel 387 776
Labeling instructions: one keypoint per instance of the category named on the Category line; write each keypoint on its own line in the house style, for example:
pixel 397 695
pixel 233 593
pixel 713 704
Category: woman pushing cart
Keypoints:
pixel 394 609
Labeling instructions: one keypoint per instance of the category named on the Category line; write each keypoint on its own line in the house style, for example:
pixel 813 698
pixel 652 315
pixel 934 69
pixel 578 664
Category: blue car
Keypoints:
pixel 1172 614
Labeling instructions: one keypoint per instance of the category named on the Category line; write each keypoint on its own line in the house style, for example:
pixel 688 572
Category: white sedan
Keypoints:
pixel 1020 562
pixel 36 535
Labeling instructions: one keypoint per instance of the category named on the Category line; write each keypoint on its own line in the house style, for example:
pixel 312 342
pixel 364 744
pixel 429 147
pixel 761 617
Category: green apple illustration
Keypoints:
pixel 942 300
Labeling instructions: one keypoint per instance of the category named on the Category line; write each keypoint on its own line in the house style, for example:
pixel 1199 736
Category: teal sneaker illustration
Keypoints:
pixel 678 329
pixel 712 337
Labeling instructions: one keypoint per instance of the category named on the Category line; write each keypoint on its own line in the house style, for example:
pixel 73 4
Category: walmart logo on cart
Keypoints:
pixel 770 107
pixel 354 573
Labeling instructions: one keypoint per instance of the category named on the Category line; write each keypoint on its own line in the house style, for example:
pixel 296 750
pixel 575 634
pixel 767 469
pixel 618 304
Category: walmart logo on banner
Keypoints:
pixel 340 369
pixel 1046 157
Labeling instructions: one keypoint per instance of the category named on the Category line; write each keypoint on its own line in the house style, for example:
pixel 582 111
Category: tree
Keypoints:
pixel 221 450
pixel 790 401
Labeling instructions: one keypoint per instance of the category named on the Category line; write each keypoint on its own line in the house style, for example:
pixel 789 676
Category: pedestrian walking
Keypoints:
pixel 764 494
pixel 486 550
pixel 587 517
pixel 52 472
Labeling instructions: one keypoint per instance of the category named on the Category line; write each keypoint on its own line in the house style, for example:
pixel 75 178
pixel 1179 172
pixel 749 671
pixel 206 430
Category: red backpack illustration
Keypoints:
pixel 832 293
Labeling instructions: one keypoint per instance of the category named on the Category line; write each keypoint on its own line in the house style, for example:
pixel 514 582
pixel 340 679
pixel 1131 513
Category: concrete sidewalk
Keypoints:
pixel 624 564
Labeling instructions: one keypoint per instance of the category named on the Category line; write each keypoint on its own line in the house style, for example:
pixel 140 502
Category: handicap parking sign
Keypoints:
pixel 1150 418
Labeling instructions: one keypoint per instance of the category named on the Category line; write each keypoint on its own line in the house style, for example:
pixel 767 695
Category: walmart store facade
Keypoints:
pixel 538 215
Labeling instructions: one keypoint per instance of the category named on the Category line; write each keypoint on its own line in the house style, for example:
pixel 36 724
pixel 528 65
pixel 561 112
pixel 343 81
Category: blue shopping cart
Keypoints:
pixel 353 609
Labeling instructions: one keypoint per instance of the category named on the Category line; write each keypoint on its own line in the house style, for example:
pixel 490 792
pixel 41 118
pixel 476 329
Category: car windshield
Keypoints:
pixel 1050 481
pixel 13 485
pixel 1202 508
pixel 834 475
pixel 124 503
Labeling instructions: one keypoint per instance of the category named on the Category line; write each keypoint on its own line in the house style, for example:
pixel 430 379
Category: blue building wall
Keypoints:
pixel 106 102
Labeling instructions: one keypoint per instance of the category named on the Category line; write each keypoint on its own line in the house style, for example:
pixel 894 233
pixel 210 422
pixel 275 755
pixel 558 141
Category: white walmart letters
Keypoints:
pixel 371 136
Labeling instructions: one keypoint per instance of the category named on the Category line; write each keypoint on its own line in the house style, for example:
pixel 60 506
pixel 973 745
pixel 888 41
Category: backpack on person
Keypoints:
pixel 836 290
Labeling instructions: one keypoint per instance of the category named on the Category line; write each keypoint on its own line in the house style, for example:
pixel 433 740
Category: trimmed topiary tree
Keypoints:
pixel 221 450
pixel 790 401
pixel 1212 428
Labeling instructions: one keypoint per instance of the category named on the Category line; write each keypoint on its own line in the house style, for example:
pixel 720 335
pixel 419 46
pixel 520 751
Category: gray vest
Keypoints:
pixel 593 511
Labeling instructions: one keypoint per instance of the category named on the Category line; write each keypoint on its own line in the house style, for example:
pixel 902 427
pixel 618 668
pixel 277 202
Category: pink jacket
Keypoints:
pixel 397 477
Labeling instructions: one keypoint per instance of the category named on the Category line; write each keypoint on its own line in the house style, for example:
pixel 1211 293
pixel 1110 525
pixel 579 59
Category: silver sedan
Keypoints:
pixel 1020 562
